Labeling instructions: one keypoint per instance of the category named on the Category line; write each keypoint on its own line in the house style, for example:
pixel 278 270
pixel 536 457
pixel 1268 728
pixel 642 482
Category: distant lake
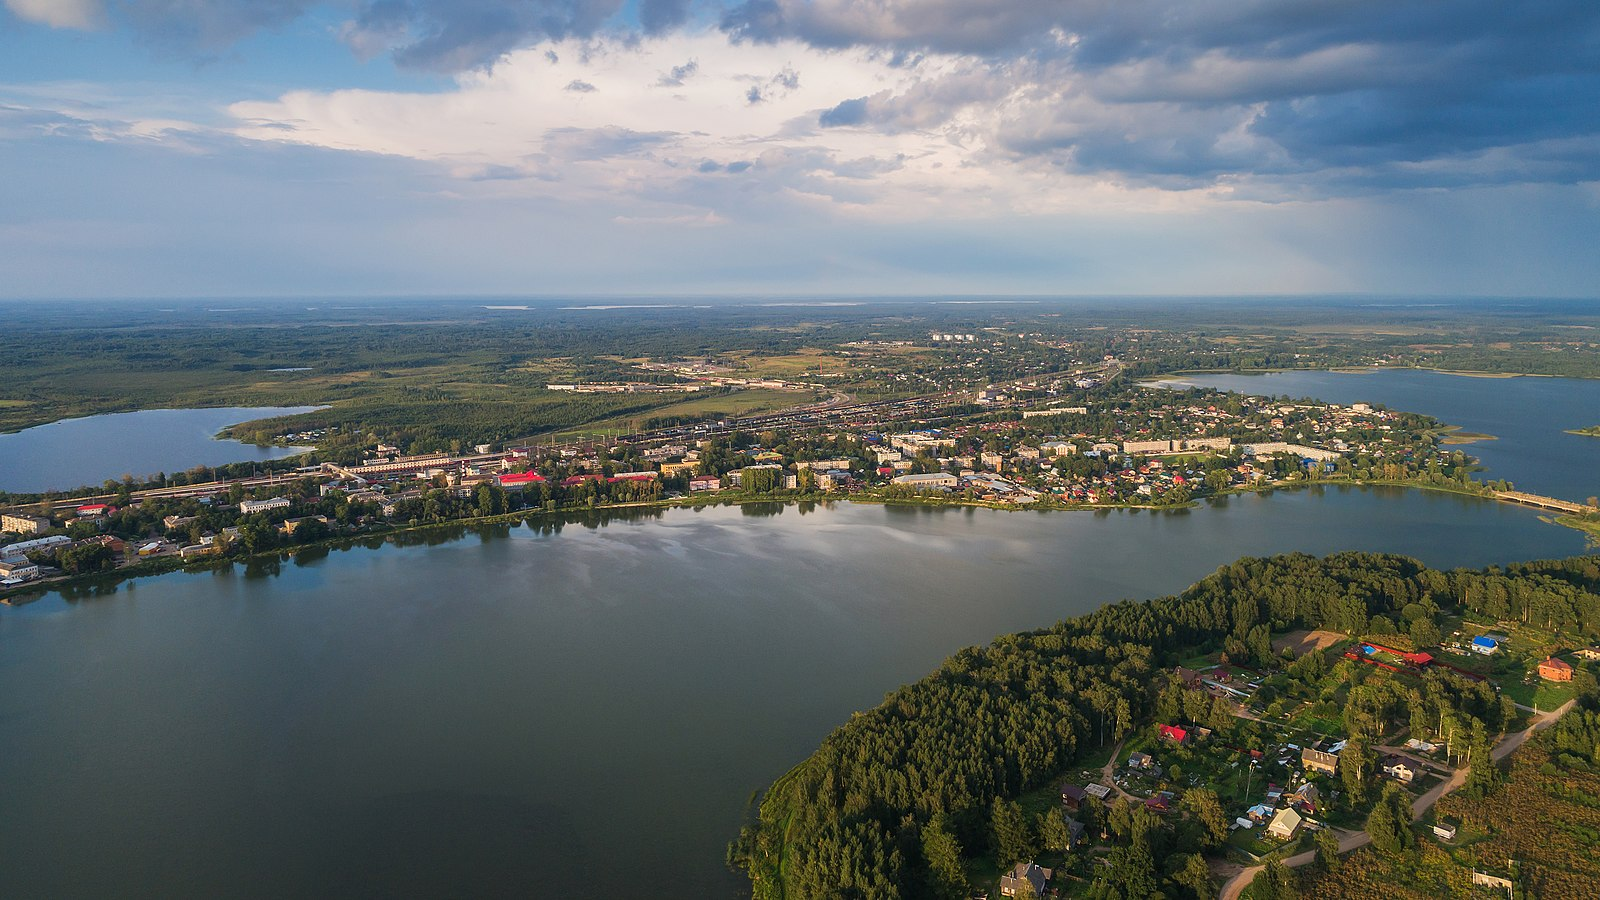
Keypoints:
pixel 77 452
pixel 1528 416
pixel 575 711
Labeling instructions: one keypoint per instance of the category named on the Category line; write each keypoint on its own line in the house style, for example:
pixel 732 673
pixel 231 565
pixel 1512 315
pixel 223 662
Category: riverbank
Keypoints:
pixel 1355 370
pixel 96 581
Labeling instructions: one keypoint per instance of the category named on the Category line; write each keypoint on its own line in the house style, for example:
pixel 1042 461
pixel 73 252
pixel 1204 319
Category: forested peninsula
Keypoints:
pixel 919 797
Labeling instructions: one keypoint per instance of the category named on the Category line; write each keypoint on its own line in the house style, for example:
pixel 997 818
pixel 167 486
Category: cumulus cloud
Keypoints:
pixel 1260 98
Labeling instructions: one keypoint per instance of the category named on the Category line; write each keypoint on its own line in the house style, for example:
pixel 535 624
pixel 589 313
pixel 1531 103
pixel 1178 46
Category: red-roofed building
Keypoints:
pixel 520 480
pixel 96 509
pixel 1173 733
pixel 1555 670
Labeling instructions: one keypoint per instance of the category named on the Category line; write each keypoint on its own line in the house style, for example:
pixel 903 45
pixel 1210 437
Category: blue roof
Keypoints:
pixel 1481 641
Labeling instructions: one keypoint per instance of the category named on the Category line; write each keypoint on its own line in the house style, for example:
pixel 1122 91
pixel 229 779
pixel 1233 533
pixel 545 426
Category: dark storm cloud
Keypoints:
pixel 1191 92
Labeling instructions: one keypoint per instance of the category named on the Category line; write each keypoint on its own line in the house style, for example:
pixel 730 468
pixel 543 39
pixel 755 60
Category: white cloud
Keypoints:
pixel 665 128
pixel 81 14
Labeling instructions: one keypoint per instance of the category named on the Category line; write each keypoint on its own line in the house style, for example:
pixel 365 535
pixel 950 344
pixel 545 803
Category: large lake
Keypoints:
pixel 87 451
pixel 1529 416
pixel 529 712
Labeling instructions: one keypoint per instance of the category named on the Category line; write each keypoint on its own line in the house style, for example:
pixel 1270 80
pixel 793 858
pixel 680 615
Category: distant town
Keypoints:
pixel 1084 439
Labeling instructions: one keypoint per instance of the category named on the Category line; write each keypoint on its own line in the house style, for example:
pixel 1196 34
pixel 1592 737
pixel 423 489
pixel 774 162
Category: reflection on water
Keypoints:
pixel 564 706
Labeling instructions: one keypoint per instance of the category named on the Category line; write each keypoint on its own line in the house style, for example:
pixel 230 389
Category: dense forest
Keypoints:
pixel 853 820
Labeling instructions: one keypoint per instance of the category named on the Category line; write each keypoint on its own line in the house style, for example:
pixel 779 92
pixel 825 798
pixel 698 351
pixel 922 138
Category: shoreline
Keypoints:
pixel 1180 374
pixel 33 591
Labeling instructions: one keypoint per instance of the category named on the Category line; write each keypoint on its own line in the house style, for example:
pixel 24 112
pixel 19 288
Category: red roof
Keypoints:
pixel 1174 733
pixel 522 478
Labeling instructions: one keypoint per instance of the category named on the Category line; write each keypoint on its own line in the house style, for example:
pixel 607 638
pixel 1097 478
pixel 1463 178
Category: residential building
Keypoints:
pixel 1028 874
pixel 254 506
pixel 1399 768
pixel 1140 761
pixel 1072 796
pixel 1308 794
pixel 17 523
pixel 1098 791
pixel 1284 824
pixel 705 483
pixel 38 545
pixel 16 571
pixel 668 470
pixel 1318 761
pixel 1173 733
pixel 1555 670
pixel 290 526
pixel 1057 448
pixel 1485 645
pixel 928 480
pixel 1444 831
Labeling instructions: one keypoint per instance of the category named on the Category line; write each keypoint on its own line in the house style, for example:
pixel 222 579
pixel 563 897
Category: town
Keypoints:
pixel 1090 438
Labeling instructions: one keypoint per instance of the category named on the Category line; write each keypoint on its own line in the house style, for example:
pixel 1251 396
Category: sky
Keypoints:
pixel 177 148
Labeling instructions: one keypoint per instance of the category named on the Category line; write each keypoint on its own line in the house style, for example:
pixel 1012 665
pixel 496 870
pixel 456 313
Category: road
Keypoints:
pixel 1353 840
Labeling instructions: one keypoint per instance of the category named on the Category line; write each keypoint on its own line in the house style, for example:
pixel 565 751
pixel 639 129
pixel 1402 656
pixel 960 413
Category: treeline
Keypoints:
pixel 996 721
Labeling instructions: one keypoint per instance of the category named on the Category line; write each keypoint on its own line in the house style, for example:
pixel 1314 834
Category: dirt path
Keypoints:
pixel 1353 840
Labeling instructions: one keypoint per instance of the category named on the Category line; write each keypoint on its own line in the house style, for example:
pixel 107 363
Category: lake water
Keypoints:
pixel 77 452
pixel 1528 416
pixel 539 712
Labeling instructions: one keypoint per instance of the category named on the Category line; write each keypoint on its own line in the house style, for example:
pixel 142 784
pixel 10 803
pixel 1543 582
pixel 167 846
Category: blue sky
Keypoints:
pixel 263 147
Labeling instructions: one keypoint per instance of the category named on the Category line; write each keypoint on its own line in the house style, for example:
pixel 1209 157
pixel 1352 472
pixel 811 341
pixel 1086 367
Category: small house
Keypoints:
pixel 1173 733
pixel 1399 768
pixel 1444 831
pixel 1485 645
pixel 1307 794
pixel 1284 824
pixel 1141 761
pixel 1261 812
pixel 1028 874
pixel 1098 791
pixel 1072 796
pixel 1553 669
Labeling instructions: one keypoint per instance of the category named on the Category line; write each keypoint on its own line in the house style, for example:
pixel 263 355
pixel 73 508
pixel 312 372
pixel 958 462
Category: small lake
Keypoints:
pixel 1529 416
pixel 87 451
pixel 540 711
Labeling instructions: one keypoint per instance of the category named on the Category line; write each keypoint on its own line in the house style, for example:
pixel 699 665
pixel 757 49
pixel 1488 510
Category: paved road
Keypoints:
pixel 1353 840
